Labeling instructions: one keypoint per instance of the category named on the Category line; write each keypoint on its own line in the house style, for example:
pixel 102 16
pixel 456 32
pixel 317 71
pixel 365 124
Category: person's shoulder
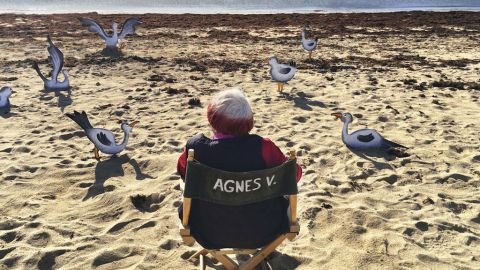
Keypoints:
pixel 256 137
pixel 197 138
pixel 267 141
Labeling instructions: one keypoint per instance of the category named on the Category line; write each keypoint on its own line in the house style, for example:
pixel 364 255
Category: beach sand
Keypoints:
pixel 413 76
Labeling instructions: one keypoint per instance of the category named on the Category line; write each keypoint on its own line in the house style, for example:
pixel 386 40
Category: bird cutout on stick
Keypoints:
pixel 281 73
pixel 102 139
pixel 5 93
pixel 116 38
pixel 57 60
pixel 364 139
pixel 309 44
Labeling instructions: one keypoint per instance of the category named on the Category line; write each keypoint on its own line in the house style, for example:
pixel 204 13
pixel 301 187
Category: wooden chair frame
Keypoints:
pixel 258 255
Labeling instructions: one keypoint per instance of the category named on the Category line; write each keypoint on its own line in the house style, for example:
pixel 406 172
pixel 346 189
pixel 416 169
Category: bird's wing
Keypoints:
pixel 102 138
pixel 311 43
pixel 284 70
pixel 94 27
pixel 365 138
pixel 56 58
pixel 393 144
pixel 129 27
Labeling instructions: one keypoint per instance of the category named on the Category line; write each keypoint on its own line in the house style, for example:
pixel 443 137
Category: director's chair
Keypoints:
pixel 201 183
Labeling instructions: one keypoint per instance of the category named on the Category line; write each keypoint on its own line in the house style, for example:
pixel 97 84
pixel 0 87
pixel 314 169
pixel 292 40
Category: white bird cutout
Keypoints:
pixel 56 59
pixel 102 139
pixel 111 41
pixel 309 44
pixel 281 73
pixel 363 139
pixel 5 93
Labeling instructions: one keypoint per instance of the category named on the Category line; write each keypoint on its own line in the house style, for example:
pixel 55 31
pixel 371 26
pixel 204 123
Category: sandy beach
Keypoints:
pixel 412 76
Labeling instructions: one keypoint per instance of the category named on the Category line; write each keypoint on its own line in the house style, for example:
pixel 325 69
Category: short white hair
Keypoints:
pixel 232 103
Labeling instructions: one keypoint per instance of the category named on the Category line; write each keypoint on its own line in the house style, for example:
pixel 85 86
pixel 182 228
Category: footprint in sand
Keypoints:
pixel 150 203
pixel 5 252
pixel 47 261
pixel 119 226
pixel 121 258
pixel 40 239
pixel 169 244
pixel 9 225
pixel 8 237
pixel 148 224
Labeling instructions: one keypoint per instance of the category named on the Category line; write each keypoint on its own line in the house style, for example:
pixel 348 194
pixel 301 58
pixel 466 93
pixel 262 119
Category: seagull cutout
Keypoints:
pixel 5 93
pixel 308 44
pixel 363 139
pixel 281 73
pixel 56 59
pixel 102 139
pixel 112 40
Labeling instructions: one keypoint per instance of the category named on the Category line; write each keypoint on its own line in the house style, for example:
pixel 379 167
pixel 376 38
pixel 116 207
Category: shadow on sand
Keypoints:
pixel 112 52
pixel 6 115
pixel 376 154
pixel 302 101
pixel 112 168
pixel 64 100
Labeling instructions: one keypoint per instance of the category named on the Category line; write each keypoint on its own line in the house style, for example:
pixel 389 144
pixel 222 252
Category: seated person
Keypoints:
pixel 233 149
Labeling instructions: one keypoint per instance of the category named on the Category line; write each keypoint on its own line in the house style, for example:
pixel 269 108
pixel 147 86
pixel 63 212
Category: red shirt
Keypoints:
pixel 271 154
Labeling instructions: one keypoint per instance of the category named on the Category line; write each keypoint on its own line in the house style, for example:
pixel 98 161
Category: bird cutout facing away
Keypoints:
pixel 111 41
pixel 309 44
pixel 281 73
pixel 57 60
pixel 363 139
pixel 5 93
pixel 102 139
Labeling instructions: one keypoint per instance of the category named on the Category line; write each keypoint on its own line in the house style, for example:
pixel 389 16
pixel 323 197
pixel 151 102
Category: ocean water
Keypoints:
pixel 231 6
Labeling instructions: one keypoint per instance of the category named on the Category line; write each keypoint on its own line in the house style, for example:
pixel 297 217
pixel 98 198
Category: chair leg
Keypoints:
pixel 262 254
pixel 199 253
pixel 225 260
pixel 202 262
pixel 265 265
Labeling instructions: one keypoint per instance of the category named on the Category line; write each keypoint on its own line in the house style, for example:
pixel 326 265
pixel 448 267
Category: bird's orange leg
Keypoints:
pixel 97 155
pixel 310 55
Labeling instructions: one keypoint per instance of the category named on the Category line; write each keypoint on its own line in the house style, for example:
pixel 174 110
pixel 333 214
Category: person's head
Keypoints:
pixel 229 113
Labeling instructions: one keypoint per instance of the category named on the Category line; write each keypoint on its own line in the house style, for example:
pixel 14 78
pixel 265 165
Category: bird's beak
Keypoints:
pixel 133 123
pixel 337 115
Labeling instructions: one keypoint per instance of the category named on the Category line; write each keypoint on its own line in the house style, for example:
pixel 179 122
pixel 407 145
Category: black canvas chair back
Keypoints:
pixel 239 188
pixel 236 189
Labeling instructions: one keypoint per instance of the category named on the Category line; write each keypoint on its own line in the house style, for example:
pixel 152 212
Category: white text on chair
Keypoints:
pixel 247 185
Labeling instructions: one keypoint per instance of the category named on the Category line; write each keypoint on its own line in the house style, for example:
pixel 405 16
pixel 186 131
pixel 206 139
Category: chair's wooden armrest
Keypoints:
pixel 295 227
pixel 186 236
pixel 184 231
pixel 294 230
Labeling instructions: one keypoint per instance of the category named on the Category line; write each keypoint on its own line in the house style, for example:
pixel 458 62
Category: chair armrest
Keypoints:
pixel 186 236
pixel 295 227
pixel 293 231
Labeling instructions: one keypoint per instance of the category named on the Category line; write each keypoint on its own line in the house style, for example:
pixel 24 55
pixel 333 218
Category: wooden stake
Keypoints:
pixel 191 154
pixel 293 155
pixel 293 209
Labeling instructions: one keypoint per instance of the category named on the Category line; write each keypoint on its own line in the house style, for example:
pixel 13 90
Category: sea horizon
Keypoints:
pixel 232 7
